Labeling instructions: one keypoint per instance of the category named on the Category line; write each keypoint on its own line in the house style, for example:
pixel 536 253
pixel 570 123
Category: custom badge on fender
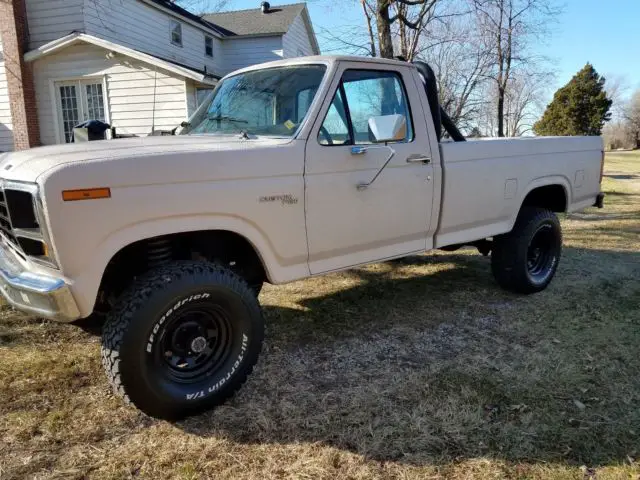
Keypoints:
pixel 286 199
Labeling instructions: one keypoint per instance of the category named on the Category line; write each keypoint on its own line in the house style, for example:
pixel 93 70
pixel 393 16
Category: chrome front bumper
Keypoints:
pixel 42 295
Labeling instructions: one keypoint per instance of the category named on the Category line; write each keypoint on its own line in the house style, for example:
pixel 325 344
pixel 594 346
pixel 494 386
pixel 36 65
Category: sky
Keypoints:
pixel 605 33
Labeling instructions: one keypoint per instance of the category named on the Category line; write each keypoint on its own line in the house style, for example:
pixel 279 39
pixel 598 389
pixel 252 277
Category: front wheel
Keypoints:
pixel 525 260
pixel 182 339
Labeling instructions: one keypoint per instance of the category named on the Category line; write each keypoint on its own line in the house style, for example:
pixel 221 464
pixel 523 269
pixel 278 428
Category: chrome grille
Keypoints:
pixel 5 219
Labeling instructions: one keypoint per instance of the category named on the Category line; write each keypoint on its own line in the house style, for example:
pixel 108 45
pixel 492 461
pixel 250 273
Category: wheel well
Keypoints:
pixel 221 246
pixel 551 197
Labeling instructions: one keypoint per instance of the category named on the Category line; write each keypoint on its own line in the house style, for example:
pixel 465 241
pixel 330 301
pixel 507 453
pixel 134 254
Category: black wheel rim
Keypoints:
pixel 195 344
pixel 541 253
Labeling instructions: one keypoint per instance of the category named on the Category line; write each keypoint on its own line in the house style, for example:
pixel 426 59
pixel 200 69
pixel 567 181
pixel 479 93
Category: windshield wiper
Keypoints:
pixel 243 133
pixel 226 118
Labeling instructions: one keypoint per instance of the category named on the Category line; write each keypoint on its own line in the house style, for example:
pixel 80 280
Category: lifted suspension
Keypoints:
pixel 159 252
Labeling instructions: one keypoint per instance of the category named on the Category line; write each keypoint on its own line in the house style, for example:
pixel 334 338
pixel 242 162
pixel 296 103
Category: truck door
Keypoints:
pixel 347 224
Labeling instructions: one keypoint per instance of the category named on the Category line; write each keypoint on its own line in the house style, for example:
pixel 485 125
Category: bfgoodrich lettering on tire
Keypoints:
pixel 182 339
pixel 526 259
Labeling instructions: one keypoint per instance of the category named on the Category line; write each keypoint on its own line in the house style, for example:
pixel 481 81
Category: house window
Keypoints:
pixel 176 33
pixel 208 46
pixel 78 101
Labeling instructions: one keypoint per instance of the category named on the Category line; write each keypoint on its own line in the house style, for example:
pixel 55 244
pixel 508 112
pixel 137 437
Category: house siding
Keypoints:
pixel 243 52
pixel 296 40
pixel 137 25
pixel 138 98
pixel 6 127
pixel 52 19
pixel 191 97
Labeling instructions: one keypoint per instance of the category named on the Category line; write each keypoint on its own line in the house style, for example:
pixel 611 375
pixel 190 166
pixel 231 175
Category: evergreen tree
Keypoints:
pixel 581 107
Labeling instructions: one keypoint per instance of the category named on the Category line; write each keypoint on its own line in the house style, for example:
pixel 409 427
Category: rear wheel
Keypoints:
pixel 525 260
pixel 182 339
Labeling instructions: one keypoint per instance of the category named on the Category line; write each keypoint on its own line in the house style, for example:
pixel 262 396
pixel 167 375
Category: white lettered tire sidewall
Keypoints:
pixel 149 307
pixel 193 393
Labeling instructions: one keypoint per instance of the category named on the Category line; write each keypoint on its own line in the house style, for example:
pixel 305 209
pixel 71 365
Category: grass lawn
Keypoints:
pixel 419 368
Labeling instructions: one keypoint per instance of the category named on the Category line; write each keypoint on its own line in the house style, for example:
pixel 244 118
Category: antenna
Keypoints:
pixel 153 111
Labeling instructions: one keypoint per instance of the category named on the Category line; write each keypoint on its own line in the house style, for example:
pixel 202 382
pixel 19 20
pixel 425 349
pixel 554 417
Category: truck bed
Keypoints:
pixel 485 181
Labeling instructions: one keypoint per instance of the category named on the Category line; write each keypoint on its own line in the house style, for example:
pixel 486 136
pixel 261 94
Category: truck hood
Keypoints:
pixel 30 165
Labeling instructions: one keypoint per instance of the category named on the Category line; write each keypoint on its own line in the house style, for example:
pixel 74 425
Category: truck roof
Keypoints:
pixel 323 59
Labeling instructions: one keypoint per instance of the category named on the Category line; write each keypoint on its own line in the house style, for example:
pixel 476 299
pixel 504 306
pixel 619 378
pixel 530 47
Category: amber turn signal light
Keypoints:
pixel 86 194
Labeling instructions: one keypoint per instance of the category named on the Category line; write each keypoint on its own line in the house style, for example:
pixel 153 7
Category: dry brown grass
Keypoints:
pixel 420 368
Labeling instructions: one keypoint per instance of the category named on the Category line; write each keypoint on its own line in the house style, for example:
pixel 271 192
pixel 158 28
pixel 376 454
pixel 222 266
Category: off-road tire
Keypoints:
pixel 137 327
pixel 511 255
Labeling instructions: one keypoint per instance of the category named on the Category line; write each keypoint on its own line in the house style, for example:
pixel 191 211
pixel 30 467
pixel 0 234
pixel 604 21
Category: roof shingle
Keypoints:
pixel 254 22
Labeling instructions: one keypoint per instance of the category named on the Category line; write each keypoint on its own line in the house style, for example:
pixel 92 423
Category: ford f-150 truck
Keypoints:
pixel 289 169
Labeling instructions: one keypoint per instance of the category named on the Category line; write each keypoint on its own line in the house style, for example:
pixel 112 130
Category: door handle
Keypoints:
pixel 417 158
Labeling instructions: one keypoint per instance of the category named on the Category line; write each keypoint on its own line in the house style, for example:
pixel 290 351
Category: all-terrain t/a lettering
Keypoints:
pixel 220 383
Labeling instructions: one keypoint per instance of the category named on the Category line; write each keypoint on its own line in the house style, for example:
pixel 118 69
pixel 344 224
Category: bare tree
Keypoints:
pixel 508 27
pixel 618 134
pixel 345 39
pixel 477 48
pixel 523 103
pixel 368 15
pixel 617 88
pixel 461 64
pixel 411 23
pixel 385 21
pixel 632 117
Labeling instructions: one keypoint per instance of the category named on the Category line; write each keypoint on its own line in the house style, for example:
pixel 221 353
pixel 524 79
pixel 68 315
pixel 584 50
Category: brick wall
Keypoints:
pixel 22 97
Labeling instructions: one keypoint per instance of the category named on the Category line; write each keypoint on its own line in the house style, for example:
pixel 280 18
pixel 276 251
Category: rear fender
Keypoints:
pixel 542 182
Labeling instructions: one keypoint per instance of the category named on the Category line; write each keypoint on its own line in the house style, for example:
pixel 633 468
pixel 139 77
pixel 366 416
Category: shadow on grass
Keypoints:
pixel 622 176
pixel 445 366
pixel 425 361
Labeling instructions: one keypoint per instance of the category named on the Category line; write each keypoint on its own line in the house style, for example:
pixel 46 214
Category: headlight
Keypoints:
pixel 22 221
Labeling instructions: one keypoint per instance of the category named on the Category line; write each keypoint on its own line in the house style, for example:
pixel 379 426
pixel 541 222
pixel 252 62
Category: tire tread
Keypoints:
pixel 508 247
pixel 138 293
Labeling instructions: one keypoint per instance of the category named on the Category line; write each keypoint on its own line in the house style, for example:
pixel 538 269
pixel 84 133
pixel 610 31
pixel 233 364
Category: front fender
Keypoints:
pixel 279 270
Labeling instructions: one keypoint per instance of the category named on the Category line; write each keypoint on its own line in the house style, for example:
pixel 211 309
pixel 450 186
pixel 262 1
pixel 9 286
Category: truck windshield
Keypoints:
pixel 271 102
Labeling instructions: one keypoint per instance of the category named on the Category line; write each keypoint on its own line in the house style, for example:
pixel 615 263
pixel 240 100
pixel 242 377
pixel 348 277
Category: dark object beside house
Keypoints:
pixel 90 130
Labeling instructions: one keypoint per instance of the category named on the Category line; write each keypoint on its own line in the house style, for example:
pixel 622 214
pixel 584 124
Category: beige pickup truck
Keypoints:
pixel 289 169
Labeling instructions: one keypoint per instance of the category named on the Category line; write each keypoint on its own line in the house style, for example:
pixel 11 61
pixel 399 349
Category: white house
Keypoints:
pixel 140 65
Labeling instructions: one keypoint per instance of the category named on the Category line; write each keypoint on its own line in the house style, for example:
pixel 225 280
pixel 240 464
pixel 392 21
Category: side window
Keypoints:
pixel 370 93
pixel 335 128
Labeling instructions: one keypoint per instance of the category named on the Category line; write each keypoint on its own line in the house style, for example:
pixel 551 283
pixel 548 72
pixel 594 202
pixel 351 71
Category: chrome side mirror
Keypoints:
pixel 387 128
